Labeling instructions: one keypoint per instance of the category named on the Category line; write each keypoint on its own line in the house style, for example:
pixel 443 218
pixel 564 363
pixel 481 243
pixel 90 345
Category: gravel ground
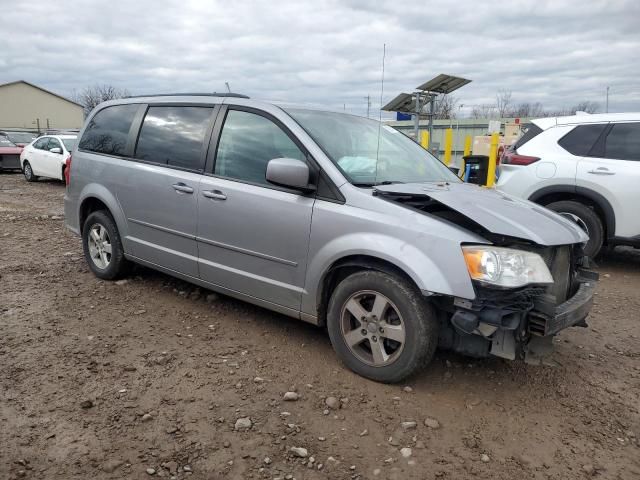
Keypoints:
pixel 151 377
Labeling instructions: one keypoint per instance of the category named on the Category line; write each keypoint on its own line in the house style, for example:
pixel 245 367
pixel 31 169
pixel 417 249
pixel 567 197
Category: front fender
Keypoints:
pixel 444 272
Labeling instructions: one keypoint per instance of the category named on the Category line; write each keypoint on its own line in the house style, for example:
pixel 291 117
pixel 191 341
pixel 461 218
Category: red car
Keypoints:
pixel 9 154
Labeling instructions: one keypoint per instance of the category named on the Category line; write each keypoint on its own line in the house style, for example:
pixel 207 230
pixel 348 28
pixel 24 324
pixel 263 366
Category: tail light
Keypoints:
pixel 512 157
pixel 67 170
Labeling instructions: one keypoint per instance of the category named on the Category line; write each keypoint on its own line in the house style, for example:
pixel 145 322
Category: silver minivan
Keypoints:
pixel 331 218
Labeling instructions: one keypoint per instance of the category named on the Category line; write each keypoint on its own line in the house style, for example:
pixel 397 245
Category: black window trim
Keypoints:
pixel 314 167
pixel 134 135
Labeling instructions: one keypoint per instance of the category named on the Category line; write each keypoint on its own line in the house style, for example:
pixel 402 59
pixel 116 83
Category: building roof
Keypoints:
pixel 40 88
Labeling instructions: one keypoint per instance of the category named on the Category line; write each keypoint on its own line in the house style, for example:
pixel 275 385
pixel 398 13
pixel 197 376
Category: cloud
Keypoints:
pixel 329 52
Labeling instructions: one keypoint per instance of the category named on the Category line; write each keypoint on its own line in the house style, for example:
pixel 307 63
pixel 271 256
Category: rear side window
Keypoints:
pixel 531 130
pixel 623 142
pixel 581 139
pixel 108 130
pixel 247 143
pixel 174 136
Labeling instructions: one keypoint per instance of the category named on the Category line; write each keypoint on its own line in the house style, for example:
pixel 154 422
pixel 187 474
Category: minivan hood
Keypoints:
pixel 495 211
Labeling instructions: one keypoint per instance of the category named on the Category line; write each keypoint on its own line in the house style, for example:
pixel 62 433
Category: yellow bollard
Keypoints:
pixel 448 143
pixel 424 139
pixel 467 145
pixel 493 156
pixel 467 151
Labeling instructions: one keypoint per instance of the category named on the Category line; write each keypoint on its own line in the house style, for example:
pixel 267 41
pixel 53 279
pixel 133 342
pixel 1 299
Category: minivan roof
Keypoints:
pixel 549 122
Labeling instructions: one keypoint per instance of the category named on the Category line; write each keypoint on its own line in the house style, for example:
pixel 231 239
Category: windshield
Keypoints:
pixel 353 144
pixel 68 143
pixel 21 137
pixel 5 142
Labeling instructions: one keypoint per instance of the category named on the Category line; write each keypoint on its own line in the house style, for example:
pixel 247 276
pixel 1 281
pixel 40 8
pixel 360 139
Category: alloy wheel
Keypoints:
pixel 372 327
pixel 99 246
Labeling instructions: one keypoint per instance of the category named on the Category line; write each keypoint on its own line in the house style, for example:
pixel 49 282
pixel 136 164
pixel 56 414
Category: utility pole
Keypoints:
pixel 606 109
pixel 368 97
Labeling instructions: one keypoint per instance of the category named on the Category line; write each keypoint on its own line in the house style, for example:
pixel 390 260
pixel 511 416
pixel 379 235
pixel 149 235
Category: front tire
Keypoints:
pixel 102 246
pixel 381 327
pixel 586 219
pixel 28 172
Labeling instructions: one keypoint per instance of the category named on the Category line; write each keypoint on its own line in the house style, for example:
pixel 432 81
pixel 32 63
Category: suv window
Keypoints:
pixel 531 130
pixel 108 130
pixel 581 139
pixel 174 136
pixel 247 143
pixel 623 142
pixel 41 143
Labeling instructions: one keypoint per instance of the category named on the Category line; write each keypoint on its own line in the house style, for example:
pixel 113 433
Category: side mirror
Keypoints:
pixel 290 173
pixel 55 150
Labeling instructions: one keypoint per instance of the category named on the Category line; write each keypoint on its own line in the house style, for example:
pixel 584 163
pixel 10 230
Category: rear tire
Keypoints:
pixel 587 219
pixel 28 172
pixel 102 246
pixel 403 329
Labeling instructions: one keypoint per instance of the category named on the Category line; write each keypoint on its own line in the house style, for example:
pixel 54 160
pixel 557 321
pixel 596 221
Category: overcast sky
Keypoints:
pixel 330 53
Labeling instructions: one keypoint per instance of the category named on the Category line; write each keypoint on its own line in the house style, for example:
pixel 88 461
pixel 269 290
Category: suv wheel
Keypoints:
pixel 381 327
pixel 28 172
pixel 587 219
pixel 102 246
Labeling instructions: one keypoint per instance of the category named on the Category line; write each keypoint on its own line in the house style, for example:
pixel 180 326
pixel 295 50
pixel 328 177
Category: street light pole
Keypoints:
pixel 607 101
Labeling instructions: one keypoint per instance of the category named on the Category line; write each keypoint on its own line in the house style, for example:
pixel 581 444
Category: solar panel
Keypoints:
pixel 443 84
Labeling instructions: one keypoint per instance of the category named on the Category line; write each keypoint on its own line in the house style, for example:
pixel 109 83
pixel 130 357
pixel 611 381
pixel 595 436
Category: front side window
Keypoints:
pixel 174 135
pixel 623 142
pixel 247 142
pixel 368 152
pixel 581 139
pixel 108 130
pixel 41 143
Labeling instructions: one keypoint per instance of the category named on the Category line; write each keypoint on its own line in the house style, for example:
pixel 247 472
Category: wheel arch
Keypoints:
pixel 96 197
pixel 600 204
pixel 345 266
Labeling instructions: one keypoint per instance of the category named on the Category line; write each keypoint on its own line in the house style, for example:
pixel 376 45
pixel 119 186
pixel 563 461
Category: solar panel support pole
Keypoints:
pixel 416 118
pixel 432 108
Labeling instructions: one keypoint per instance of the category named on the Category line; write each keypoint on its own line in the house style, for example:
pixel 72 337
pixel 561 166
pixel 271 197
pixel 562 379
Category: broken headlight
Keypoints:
pixel 505 267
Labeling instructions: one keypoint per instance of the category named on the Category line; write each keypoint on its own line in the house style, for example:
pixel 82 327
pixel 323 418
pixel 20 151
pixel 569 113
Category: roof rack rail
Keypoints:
pixel 214 94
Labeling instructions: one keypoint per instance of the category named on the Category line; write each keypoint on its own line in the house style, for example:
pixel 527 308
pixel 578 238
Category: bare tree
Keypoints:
pixel 527 110
pixel 503 102
pixel 92 96
pixel 484 111
pixel 445 108
pixel 586 106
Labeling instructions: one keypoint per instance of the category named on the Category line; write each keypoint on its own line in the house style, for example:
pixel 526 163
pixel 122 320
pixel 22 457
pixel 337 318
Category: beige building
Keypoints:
pixel 27 106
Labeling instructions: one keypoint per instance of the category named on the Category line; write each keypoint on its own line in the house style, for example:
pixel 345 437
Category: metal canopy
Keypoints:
pixel 443 84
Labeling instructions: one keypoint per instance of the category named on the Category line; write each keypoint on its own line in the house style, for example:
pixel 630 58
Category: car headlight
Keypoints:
pixel 505 267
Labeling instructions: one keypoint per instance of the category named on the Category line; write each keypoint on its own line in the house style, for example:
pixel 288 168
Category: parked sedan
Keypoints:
pixel 9 154
pixel 46 157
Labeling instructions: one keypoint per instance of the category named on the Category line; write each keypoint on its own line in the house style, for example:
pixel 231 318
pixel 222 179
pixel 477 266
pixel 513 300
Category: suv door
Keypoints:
pixel 612 169
pixel 253 236
pixel 159 193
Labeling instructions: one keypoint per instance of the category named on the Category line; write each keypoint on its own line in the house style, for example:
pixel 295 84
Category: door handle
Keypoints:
pixel 601 171
pixel 182 188
pixel 214 194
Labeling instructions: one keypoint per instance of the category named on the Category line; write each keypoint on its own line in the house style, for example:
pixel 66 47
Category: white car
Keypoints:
pixel 46 156
pixel 586 167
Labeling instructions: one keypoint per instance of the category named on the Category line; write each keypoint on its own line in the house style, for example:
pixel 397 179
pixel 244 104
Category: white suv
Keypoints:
pixel 586 167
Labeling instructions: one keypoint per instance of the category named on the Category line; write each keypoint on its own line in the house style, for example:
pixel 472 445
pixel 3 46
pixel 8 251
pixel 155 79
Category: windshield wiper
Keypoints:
pixel 372 184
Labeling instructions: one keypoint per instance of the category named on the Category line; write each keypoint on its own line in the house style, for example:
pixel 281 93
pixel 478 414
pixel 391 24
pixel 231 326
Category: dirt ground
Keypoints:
pixel 148 376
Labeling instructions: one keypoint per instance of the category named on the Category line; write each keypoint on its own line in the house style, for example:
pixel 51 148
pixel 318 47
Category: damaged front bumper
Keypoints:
pixel 518 323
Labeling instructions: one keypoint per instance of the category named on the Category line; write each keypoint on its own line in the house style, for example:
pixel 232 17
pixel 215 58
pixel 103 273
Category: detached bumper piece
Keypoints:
pixel 547 318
